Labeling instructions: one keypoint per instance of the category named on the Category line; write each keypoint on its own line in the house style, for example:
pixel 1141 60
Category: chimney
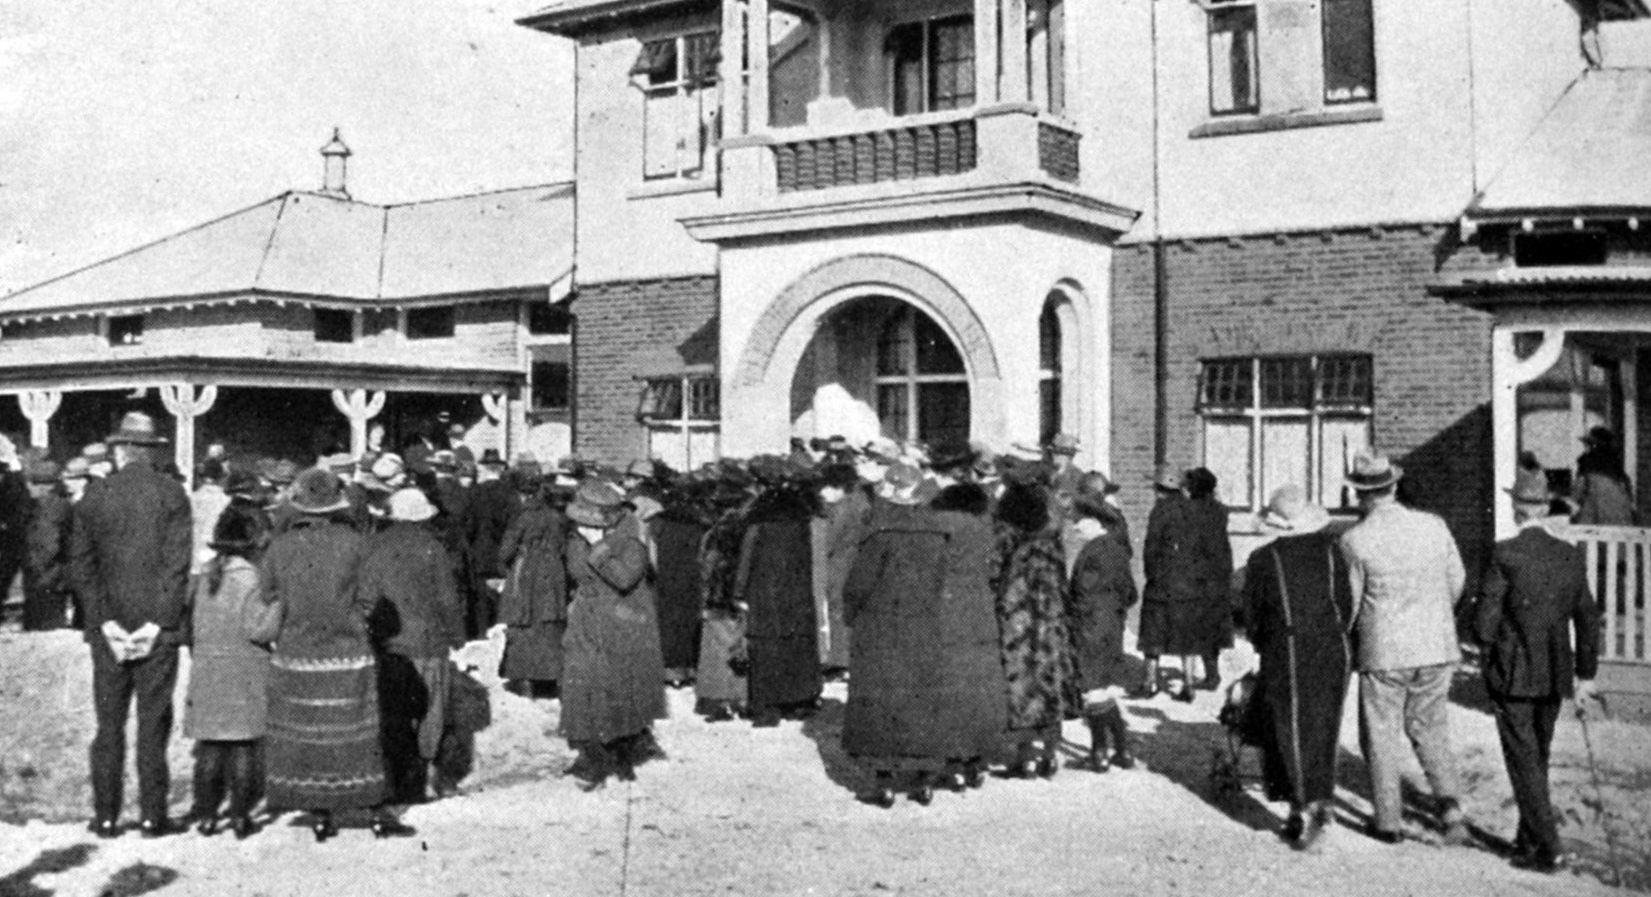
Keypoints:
pixel 334 158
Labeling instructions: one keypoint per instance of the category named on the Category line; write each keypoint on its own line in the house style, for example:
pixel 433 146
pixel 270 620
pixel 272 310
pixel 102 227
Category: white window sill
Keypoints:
pixel 1284 121
pixel 671 187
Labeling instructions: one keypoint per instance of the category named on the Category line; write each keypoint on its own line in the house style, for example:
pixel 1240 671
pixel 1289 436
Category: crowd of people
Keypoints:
pixel 974 601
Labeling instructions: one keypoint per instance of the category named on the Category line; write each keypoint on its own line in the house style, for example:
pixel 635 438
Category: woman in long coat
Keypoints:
pixel 613 677
pixel 1102 592
pixel 927 693
pixel 720 687
pixel 323 744
pixel 776 584
pixel 1185 608
pixel 678 532
pixel 225 708
pixel 1031 611
pixel 534 604
pixel 1299 612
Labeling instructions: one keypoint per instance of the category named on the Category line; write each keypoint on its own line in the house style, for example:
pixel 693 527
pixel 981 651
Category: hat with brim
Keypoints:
pixel 411 506
pixel 491 458
pixel 1290 511
pixel 596 503
pixel 136 428
pixel 1372 472
pixel 1097 483
pixel 76 469
pixel 1530 487
pixel 236 531
pixel 900 483
pixel 1063 444
pixel 318 491
pixel 1093 504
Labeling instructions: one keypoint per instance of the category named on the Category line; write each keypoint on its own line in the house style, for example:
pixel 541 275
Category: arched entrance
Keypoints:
pixel 880 366
pixel 809 363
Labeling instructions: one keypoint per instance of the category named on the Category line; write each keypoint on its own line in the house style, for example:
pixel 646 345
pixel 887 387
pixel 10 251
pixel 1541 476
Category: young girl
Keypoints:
pixel 1102 591
pixel 231 629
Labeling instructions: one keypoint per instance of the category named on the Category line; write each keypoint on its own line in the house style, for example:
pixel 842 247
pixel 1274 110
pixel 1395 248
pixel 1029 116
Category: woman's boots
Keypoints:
pixel 1107 721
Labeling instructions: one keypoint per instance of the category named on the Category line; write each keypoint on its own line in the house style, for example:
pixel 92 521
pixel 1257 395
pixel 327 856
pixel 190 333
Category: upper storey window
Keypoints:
pixel 1319 55
pixel 932 64
pixel 678 77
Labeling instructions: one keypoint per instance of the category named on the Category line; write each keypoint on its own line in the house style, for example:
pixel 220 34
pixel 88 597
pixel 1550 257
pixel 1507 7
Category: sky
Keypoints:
pixel 121 123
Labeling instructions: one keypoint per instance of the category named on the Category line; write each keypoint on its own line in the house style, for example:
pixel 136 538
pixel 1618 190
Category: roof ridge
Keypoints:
pixel 1530 135
pixel 279 197
pixel 480 193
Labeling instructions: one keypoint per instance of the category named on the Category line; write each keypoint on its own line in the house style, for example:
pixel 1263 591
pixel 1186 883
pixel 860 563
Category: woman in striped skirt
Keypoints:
pixel 323 725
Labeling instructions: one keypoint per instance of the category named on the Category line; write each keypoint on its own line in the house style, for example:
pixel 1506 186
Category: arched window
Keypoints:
pixel 922 384
pixel 1049 371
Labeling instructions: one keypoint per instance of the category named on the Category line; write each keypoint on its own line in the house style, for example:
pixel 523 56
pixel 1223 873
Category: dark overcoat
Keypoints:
pixel 613 678
pixel 776 584
pixel 1535 592
pixel 1102 592
pixel 1186 607
pixel 678 532
pixel 493 507
pixel 415 609
pixel 928 680
pixel 722 637
pixel 1299 605
pixel 46 585
pixel 534 604
pixel 130 550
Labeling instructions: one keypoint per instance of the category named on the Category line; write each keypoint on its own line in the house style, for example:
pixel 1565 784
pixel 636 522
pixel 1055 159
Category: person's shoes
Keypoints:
pixel 1386 836
pixel 1316 823
pixel 765 719
pixel 243 827
pixel 1293 827
pixel 207 826
pixel 1185 695
pixel 1123 759
pixel 922 795
pixel 158 828
pixel 323 828
pixel 1543 861
pixel 104 828
pixel 879 796
pixel 1097 761
pixel 1046 767
pixel 974 774
pixel 1144 691
pixel 391 827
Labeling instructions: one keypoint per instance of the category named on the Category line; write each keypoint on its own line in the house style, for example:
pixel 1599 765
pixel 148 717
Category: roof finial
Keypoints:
pixel 333 157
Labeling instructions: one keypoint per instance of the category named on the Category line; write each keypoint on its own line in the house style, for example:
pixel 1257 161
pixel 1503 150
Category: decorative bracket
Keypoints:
pixel 359 407
pixel 38 406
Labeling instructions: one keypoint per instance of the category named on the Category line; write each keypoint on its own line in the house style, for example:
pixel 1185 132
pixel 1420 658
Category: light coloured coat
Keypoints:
pixel 1407 576
pixel 229 674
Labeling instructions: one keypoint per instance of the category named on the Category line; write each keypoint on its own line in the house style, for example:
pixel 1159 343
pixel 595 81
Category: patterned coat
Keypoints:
pixel 1036 644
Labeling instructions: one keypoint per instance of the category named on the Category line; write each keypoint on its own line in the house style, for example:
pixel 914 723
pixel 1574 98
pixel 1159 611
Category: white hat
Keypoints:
pixel 388 466
pixel 411 506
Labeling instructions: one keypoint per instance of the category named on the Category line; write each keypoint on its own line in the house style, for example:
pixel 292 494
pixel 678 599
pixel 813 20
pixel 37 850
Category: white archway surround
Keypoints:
pixel 985 285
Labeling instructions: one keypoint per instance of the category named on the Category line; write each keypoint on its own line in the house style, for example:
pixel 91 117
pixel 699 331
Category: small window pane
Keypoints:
pixel 430 323
pixel 943 413
pixel 1344 438
pixel 552 385
pixel 905 49
pixel 1344 381
pixel 662 399
pixel 126 330
pixel 545 319
pixel 951 67
pixel 1049 410
pixel 334 326
pixel 1233 62
pixel 658 61
pixel 704 399
pixel 1286 383
pixel 1049 340
pixel 894 411
pixel 935 352
pixel 1349 52
pixel 1284 457
pixel 702 53
pixel 1227 455
pixel 1226 384
pixel 893 347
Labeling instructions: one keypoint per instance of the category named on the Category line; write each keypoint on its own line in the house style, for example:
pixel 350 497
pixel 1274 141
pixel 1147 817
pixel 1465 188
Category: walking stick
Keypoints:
pixel 1599 794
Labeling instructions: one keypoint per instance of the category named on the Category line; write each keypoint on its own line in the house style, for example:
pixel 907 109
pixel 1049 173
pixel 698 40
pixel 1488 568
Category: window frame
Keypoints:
pixel 1367 8
pixel 684 87
pixel 450 331
pixel 1222 8
pixel 113 330
pixel 927 64
pixel 349 331
pixel 1315 412
pixel 911 380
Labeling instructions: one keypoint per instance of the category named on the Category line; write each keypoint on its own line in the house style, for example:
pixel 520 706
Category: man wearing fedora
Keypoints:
pixel 1407 575
pixel 130 555
pixel 1536 591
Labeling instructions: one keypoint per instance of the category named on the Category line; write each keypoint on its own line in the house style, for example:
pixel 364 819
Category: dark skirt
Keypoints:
pixel 322 749
pixel 678 588
pixel 1301 720
pixel 784 671
pixel 1199 628
pixel 613 684
pixel 533 652
pixel 722 644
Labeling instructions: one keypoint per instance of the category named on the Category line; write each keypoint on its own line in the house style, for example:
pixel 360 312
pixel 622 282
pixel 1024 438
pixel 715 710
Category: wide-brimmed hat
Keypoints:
pixel 443 460
pixel 76 468
pixel 388 466
pixel 411 505
pixel 491 458
pixel 883 450
pixel 900 483
pixel 237 530
pixel 1097 483
pixel 243 483
pixel 1530 487
pixel 283 472
pixel 95 453
pixel 1373 472
pixel 1289 510
pixel 318 491
pixel 136 428
pixel 1168 476
pixel 597 503
pixel 340 463
pixel 1063 444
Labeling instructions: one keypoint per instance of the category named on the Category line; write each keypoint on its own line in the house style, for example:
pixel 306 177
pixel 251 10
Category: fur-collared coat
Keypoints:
pixel 613 677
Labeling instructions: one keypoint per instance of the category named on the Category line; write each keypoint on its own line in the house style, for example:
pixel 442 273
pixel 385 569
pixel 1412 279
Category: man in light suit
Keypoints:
pixel 1407 575
pixel 1536 590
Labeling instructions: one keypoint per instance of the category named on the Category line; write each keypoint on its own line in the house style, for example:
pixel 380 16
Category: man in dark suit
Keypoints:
pixel 1535 591
pixel 129 556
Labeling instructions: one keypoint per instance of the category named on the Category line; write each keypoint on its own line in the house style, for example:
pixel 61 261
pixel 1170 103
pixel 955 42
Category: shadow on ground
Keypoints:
pixel 21 882
pixel 1187 753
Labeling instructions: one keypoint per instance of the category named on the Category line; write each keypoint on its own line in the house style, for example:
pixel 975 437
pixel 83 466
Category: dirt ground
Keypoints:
pixel 736 810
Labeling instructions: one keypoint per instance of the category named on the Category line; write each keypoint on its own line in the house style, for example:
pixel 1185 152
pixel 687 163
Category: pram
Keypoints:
pixel 1243 716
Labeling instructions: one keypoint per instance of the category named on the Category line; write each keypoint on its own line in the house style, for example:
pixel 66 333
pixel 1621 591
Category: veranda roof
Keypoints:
pixel 326 250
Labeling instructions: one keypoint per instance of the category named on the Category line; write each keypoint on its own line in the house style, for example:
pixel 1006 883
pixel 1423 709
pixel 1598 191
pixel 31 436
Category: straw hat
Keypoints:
pixel 77 468
pixel 318 491
pixel 1289 510
pixel 1530 487
pixel 901 482
pixel 1373 472
pixel 136 428
pixel 411 505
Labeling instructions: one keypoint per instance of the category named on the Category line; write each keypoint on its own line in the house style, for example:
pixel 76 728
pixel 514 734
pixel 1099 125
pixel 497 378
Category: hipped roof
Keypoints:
pixel 1588 154
pixel 330 250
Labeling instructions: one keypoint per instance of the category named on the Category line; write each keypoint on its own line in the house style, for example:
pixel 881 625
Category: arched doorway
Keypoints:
pixel 880 366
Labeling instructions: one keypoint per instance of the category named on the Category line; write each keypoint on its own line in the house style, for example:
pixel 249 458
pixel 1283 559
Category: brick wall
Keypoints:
pixel 1058 152
pixel 626 329
pixel 1355 290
